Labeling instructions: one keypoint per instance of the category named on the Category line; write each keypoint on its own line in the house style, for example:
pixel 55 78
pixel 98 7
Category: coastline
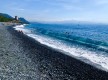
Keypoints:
pixel 25 58
pixel 83 59
pixel 51 58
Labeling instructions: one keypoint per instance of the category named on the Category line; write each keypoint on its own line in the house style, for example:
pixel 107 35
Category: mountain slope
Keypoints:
pixel 22 20
pixel 5 17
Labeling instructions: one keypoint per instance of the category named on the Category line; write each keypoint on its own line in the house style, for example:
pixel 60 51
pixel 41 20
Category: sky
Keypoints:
pixel 57 10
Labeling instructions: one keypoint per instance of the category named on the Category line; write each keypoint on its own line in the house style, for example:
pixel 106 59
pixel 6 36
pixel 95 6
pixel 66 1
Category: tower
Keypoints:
pixel 16 17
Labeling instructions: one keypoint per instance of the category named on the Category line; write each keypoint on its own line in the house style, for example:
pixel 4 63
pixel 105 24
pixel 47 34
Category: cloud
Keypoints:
pixel 101 2
pixel 63 4
pixel 20 9
pixel 71 7
pixel 17 9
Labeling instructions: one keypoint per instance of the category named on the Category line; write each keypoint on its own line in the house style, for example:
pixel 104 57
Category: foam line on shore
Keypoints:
pixel 99 60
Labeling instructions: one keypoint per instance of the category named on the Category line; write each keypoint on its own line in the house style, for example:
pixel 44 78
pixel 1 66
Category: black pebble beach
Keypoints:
pixel 23 58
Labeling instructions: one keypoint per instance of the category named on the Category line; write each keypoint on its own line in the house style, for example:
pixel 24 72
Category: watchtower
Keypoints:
pixel 16 17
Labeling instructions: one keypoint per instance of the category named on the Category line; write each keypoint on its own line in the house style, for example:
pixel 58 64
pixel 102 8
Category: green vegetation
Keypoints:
pixel 5 19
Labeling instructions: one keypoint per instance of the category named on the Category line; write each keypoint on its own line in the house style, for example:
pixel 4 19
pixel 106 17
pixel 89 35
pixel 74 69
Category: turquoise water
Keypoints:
pixel 93 36
pixel 87 42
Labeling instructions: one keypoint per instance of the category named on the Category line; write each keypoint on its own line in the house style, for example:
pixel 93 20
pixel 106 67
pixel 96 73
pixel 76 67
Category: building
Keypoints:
pixel 16 17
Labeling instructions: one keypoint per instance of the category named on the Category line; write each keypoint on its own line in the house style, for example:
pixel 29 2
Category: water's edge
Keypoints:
pixel 72 65
pixel 89 58
pixel 34 42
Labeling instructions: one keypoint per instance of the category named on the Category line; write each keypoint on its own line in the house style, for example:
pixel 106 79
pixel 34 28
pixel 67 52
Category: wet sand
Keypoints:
pixel 23 58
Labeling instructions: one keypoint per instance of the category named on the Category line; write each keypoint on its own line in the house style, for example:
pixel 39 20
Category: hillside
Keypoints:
pixel 5 17
pixel 22 20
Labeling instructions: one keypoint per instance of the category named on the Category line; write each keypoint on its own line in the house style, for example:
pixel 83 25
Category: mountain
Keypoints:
pixel 5 17
pixel 22 20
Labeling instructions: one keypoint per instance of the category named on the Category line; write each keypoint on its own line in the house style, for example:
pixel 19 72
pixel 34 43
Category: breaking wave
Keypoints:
pixel 87 50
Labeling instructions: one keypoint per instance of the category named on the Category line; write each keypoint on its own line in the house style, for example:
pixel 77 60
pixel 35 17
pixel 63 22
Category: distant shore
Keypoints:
pixel 44 62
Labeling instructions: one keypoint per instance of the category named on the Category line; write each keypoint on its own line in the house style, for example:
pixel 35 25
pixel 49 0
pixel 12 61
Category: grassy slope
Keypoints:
pixel 4 19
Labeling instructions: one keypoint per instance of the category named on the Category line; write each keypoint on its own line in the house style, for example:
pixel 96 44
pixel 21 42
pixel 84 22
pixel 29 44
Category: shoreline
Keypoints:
pixel 72 66
pixel 85 60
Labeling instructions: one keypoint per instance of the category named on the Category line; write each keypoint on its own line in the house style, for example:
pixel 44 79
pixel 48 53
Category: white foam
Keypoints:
pixel 21 28
pixel 98 59
pixel 78 52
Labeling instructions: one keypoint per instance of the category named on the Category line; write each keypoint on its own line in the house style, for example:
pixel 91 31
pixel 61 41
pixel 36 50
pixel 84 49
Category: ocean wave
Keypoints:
pixel 22 28
pixel 102 46
pixel 98 58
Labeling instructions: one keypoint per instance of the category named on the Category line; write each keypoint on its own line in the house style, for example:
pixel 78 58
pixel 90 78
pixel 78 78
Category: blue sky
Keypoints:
pixel 57 10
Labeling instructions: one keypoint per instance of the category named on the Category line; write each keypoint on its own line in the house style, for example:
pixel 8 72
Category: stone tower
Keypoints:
pixel 16 17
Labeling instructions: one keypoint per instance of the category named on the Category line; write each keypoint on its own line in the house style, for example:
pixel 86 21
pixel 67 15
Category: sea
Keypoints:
pixel 87 42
